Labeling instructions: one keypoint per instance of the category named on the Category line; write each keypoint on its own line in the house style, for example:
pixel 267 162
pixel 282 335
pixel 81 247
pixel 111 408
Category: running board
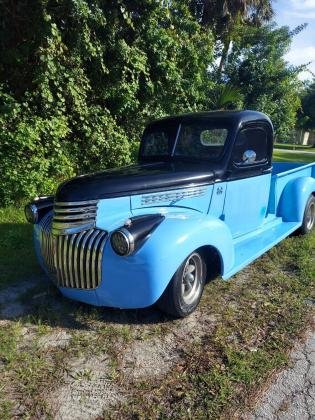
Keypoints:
pixel 249 247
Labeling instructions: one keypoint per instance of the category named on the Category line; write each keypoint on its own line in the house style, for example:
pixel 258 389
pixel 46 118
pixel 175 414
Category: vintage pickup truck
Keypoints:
pixel 204 195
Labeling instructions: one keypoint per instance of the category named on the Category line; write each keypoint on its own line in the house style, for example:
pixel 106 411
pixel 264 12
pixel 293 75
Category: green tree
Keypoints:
pixel 307 111
pixel 257 66
pixel 225 16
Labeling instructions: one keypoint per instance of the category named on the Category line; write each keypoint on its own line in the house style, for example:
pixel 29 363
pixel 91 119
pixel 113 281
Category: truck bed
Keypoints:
pixel 283 168
pixel 250 246
pixel 282 173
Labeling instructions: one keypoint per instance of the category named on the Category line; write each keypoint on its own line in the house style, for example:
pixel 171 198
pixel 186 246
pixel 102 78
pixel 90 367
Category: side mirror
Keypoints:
pixel 249 157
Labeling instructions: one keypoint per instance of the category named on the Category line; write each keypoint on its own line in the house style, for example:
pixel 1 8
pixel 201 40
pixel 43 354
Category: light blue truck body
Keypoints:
pixel 238 219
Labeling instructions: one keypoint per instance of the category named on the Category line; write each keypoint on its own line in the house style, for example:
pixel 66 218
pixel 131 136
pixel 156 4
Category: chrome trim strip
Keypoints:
pixel 74 209
pixel 71 224
pixel 172 196
pixel 47 242
pixel 83 259
pixel 95 250
pixel 56 256
pixel 77 260
pixel 65 259
pixel 71 252
pixel 75 203
pixel 100 256
pixel 60 265
pixel 89 267
pixel 77 217
pixel 70 228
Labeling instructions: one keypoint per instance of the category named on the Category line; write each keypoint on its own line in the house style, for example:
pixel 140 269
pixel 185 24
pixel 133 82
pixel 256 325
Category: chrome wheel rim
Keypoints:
pixel 310 216
pixel 191 279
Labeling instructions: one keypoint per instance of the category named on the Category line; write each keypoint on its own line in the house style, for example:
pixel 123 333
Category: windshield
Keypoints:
pixel 191 140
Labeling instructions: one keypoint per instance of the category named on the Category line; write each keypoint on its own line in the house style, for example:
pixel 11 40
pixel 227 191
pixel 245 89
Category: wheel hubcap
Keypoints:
pixel 191 280
pixel 310 216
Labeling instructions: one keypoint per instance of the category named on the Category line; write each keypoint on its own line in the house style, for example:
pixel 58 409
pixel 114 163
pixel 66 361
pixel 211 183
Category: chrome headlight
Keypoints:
pixel 35 210
pixel 122 242
pixel 31 213
pixel 131 237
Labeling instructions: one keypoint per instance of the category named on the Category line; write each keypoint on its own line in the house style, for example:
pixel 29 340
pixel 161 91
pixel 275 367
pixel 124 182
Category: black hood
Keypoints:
pixel 136 179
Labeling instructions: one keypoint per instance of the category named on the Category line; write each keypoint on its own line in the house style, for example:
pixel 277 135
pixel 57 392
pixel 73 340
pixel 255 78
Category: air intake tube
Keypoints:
pixel 127 239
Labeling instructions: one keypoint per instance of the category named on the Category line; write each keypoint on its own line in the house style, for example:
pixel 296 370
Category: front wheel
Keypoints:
pixel 309 216
pixel 182 295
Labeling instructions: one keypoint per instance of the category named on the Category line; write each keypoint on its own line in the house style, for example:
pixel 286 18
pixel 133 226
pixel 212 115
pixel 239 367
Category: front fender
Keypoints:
pixel 294 197
pixel 179 236
pixel 139 280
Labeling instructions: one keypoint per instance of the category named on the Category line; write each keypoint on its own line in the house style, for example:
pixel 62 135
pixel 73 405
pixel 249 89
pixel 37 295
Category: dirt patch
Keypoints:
pixel 87 390
pixel 151 358
pixel 154 357
pixel 59 338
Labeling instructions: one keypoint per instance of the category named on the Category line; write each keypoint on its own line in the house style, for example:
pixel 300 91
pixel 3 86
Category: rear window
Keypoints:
pixel 200 142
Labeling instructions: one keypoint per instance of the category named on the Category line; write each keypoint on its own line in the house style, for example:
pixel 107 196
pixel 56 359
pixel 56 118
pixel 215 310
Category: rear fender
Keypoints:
pixel 294 198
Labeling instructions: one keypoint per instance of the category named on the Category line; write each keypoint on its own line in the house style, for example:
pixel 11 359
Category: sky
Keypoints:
pixel 293 13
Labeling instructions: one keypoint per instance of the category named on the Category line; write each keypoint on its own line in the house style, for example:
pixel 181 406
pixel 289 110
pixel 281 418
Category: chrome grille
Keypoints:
pixel 73 217
pixel 78 259
pixel 47 242
pixel 73 260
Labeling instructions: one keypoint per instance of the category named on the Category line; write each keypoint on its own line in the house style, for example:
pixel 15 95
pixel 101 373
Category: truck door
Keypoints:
pixel 248 183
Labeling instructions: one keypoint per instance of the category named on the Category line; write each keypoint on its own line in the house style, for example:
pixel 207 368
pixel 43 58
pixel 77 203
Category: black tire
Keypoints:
pixel 309 217
pixel 182 295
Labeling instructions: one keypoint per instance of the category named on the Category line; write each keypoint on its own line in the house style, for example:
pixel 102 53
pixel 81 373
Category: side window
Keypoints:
pixel 251 147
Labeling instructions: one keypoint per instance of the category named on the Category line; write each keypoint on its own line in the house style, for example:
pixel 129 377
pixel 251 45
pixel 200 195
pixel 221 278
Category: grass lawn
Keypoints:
pixel 223 355
pixel 294 147
pixel 283 156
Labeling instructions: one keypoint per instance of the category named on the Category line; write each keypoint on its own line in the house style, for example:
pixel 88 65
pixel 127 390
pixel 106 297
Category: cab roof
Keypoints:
pixel 235 117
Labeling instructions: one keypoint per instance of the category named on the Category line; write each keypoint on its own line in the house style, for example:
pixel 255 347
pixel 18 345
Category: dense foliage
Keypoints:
pixel 307 112
pixel 79 79
pixel 257 67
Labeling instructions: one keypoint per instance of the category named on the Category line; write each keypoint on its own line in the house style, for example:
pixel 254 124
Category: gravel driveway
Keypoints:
pixel 292 394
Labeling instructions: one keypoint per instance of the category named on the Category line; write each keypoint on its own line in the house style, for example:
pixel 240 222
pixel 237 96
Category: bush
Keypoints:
pixel 80 80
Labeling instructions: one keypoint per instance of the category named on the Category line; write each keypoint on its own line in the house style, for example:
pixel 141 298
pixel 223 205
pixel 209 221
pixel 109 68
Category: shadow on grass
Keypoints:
pixel 38 301
pixel 17 256
pixel 42 303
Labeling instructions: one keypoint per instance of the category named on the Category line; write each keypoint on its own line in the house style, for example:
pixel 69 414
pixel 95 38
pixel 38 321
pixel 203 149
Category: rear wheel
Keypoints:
pixel 184 291
pixel 309 216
